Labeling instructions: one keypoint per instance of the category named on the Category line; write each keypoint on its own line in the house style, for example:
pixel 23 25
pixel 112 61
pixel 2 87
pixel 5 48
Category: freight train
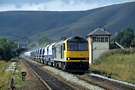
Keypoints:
pixel 69 55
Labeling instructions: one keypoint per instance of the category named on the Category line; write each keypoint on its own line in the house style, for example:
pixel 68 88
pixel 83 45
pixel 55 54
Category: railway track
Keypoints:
pixel 116 83
pixel 48 80
pixel 55 84
pixel 108 84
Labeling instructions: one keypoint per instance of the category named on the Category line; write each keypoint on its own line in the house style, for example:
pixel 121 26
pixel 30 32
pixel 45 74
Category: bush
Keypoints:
pixel 126 37
pixel 7 49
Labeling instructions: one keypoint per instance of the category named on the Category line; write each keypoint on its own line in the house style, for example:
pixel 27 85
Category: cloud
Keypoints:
pixel 56 5
pixel 71 5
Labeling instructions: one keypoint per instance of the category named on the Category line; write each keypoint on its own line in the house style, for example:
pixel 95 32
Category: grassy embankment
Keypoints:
pixel 118 64
pixel 5 76
pixel 18 77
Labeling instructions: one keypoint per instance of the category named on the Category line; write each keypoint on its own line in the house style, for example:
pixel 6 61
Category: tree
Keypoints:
pixel 125 37
pixel 133 42
pixel 7 48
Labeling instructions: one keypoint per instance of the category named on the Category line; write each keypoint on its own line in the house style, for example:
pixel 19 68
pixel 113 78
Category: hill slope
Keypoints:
pixel 53 24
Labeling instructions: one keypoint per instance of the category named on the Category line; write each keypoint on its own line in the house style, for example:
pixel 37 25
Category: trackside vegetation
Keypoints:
pixel 117 64
pixel 7 49
pixel 6 75
pixel 126 38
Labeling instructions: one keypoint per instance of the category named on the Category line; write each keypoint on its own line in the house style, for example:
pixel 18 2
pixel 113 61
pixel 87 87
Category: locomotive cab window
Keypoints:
pixel 77 46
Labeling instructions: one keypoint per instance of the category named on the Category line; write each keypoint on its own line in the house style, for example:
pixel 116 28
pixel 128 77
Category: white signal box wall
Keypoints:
pixel 99 42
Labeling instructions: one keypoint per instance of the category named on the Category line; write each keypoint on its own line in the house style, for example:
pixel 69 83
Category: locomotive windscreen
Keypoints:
pixel 77 46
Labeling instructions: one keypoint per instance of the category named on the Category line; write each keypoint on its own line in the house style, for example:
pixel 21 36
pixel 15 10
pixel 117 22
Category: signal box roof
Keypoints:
pixel 99 31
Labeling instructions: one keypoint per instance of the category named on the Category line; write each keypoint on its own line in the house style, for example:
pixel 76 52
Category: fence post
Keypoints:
pixel 12 84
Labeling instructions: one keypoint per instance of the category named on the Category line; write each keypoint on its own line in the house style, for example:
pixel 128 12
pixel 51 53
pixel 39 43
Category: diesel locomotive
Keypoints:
pixel 69 55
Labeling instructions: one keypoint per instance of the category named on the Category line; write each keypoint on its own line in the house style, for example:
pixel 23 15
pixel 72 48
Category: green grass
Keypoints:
pixel 18 76
pixel 4 76
pixel 118 65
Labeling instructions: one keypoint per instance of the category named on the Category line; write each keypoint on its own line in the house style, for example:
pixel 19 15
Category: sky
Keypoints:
pixel 55 5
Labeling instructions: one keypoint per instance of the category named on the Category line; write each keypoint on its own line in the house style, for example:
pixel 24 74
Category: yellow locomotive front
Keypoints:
pixel 76 54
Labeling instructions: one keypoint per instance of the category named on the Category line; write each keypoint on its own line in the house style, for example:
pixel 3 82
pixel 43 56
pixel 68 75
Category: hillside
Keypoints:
pixel 54 24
